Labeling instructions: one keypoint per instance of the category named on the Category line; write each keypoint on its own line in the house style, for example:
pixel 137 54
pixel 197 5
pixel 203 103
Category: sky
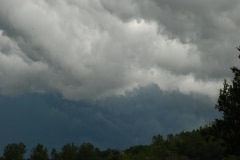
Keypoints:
pixel 113 73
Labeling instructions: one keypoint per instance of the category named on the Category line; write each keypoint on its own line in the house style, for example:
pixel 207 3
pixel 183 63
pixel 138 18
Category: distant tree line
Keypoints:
pixel 194 145
pixel 219 140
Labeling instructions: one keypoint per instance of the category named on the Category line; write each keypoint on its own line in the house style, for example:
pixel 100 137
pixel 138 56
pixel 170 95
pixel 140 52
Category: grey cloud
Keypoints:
pixel 211 26
pixel 87 50
pixel 67 48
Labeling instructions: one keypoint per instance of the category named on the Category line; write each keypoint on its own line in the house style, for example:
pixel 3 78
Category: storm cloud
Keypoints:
pixel 115 122
pixel 110 72
pixel 94 49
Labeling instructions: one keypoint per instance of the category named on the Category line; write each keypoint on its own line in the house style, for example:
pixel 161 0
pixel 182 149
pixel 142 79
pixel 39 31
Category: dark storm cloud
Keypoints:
pixel 85 49
pixel 136 68
pixel 115 122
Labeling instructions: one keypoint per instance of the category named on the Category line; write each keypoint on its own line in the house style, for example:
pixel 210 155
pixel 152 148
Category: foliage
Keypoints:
pixel 187 145
pixel 55 155
pixel 194 145
pixel 14 151
pixel 88 152
pixel 39 153
pixel 140 152
pixel 69 152
pixel 228 128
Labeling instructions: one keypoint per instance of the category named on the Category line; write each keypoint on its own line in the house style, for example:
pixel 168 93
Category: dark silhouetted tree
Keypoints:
pixel 14 151
pixel 88 152
pixel 55 155
pixel 39 153
pixel 228 128
pixel 69 152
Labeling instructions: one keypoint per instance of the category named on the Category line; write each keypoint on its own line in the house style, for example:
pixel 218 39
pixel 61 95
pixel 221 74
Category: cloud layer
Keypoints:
pixel 117 122
pixel 92 49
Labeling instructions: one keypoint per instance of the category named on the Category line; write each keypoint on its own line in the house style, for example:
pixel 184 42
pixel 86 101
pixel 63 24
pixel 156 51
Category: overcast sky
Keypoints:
pixel 114 61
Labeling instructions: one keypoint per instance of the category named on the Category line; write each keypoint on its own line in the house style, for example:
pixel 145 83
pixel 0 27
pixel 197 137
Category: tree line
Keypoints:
pixel 192 145
pixel 219 140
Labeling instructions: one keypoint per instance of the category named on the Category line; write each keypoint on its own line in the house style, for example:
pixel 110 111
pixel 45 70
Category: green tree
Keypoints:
pixel 14 151
pixel 88 152
pixel 140 152
pixel 55 155
pixel 39 153
pixel 112 154
pixel 159 148
pixel 194 145
pixel 69 152
pixel 228 128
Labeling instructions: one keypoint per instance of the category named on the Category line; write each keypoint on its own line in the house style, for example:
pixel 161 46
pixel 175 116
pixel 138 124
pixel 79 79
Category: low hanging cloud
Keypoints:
pixel 112 122
pixel 90 49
